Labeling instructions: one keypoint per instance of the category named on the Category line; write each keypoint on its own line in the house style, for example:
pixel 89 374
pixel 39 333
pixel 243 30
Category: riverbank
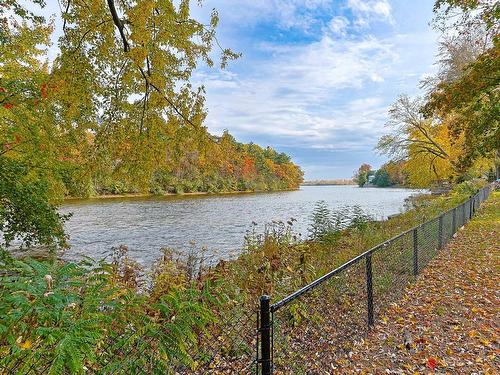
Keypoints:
pixel 183 303
pixel 447 321
pixel 336 182
pixel 197 193
pixel 212 225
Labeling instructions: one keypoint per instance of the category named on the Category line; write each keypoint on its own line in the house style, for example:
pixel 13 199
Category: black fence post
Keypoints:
pixel 440 233
pixel 369 288
pixel 415 251
pixel 470 209
pixel 454 222
pixel 463 214
pixel 265 335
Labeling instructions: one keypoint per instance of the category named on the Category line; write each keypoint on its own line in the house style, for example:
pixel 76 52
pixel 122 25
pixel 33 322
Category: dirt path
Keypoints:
pixel 449 320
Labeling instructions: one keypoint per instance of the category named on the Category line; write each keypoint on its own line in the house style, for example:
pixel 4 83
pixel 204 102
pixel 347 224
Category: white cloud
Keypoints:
pixel 338 25
pixel 293 96
pixel 366 11
pixel 285 13
pixel 332 94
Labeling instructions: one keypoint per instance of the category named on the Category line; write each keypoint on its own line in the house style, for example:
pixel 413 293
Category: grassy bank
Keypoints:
pixel 107 317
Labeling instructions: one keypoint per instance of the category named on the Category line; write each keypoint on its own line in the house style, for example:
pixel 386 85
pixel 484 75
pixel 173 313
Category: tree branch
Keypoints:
pixel 119 24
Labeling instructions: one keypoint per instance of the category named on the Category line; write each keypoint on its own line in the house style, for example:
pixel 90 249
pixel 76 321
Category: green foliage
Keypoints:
pixel 362 179
pixel 25 209
pixel 297 313
pixel 29 177
pixel 467 188
pixel 326 225
pixel 321 222
pixel 359 219
pixel 43 312
pixel 382 178
pixel 362 174
pixel 62 318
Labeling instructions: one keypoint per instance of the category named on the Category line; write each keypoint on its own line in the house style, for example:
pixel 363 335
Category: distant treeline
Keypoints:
pixel 189 162
pixel 341 181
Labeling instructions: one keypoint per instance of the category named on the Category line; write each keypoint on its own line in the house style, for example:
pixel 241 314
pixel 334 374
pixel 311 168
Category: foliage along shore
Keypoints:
pixel 53 304
pixel 198 193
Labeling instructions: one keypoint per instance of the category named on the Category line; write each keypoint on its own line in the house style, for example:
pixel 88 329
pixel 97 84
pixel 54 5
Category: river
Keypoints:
pixel 215 222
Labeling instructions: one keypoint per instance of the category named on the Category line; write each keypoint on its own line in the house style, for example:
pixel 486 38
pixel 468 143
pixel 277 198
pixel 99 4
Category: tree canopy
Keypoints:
pixel 114 112
pixel 453 132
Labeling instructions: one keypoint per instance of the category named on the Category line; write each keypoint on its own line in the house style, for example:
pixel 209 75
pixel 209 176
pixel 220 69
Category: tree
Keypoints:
pixel 474 99
pixel 471 93
pixel 29 164
pixel 118 88
pixel 454 132
pixel 382 178
pixel 361 175
pixel 427 148
pixel 396 172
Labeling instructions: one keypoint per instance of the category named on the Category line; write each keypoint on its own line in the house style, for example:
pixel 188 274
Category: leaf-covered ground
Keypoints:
pixel 448 322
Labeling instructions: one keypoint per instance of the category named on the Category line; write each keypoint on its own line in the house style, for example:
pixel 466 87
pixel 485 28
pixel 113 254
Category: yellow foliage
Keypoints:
pixel 430 163
pixel 481 167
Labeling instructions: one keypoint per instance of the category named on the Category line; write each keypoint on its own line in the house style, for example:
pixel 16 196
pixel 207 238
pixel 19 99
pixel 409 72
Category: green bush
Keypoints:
pixel 65 317
pixel 26 209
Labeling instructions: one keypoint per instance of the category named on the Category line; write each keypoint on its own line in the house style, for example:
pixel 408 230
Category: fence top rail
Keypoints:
pixel 337 270
pixel 276 306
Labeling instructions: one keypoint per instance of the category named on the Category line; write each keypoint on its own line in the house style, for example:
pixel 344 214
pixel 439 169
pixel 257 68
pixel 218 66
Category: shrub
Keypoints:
pixel 66 317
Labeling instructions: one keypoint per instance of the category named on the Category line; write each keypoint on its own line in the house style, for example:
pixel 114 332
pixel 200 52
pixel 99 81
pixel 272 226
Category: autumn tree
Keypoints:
pixel 390 173
pixel 471 92
pixel 453 133
pixel 115 112
pixel 29 139
pixel 362 174
pixel 429 151
pixel 118 87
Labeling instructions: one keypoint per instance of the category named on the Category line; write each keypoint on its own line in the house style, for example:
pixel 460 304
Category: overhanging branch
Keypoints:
pixel 119 24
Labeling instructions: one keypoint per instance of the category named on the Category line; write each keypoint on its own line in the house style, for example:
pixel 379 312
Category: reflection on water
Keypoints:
pixel 217 222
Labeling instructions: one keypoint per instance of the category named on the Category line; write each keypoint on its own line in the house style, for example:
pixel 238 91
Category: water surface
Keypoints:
pixel 216 222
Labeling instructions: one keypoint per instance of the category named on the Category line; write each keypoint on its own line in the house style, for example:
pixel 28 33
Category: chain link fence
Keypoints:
pixel 306 332
pixel 314 329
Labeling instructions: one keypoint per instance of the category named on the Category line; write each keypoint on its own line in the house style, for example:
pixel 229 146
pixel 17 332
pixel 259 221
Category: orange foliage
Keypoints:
pixel 248 169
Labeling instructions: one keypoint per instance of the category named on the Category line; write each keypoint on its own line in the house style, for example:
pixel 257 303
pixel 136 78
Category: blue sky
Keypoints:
pixel 317 76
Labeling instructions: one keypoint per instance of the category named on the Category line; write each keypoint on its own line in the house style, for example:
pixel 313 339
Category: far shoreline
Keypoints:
pixel 70 199
pixel 150 195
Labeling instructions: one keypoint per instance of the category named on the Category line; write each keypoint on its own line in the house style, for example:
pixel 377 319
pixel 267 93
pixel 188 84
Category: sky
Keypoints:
pixel 316 77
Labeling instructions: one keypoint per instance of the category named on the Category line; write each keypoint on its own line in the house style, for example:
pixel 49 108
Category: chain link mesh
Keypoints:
pixel 228 347
pixel 312 330
pixel 317 329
